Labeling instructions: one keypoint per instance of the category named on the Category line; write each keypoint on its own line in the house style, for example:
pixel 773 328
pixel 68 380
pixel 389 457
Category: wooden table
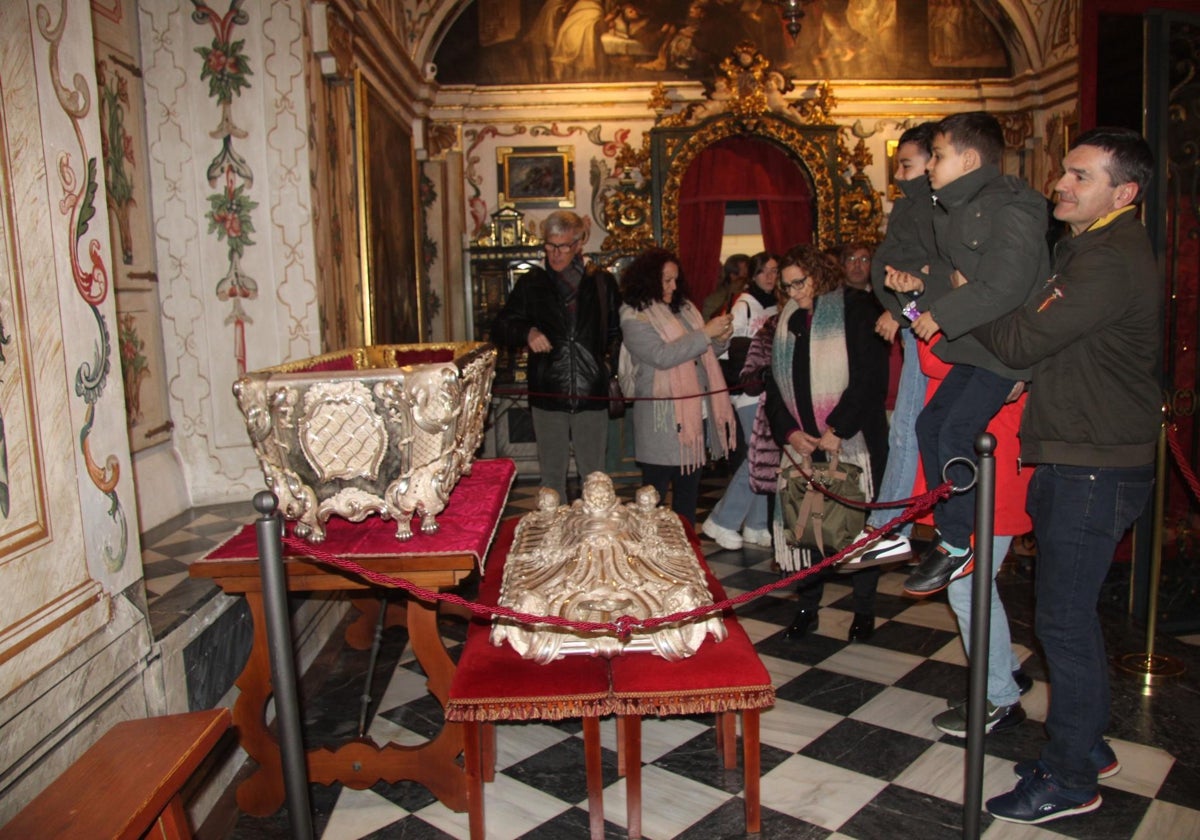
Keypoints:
pixel 435 562
pixel 494 684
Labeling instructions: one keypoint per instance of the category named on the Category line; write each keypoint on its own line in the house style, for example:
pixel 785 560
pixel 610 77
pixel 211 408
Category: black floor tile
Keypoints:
pixel 867 749
pixel 828 691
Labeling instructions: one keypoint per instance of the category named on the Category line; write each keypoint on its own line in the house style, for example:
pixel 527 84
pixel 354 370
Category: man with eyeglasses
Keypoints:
pixel 566 314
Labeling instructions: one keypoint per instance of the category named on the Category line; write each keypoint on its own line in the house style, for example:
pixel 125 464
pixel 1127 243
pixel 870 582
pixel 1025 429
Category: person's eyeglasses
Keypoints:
pixel 559 248
pixel 858 259
pixel 796 285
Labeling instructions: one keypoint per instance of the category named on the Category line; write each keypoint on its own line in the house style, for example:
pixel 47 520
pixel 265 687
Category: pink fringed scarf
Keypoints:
pixel 675 390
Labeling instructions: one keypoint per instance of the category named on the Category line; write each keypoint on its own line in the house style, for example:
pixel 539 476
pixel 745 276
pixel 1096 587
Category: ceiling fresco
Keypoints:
pixel 504 42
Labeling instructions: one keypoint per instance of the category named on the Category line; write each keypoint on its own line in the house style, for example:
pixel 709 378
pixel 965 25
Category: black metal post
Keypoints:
pixel 269 529
pixel 981 623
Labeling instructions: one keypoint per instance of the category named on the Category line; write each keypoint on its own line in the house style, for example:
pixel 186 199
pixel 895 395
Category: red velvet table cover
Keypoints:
pixel 466 526
pixel 493 683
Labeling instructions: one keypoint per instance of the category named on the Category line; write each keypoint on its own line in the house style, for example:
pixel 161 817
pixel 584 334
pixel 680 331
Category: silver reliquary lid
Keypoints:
pixel 596 560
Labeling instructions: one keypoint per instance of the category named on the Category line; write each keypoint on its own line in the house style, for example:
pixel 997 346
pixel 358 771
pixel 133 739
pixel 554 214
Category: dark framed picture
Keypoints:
pixel 536 176
pixel 387 200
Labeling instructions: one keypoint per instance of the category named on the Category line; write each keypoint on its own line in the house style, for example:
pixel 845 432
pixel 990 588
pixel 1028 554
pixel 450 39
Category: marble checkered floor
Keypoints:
pixel 847 751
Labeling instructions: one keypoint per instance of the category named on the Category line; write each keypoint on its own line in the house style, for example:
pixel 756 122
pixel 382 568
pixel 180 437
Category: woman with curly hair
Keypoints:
pixel 825 394
pixel 675 353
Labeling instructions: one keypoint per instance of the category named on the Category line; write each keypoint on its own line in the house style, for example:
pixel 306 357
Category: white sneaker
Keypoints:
pixel 891 548
pixel 727 538
pixel 757 536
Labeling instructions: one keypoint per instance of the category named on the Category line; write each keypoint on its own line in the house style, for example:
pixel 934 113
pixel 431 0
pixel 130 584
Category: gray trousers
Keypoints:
pixel 558 432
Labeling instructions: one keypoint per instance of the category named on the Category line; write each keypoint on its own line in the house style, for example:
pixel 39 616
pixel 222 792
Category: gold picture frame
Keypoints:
pixel 536 176
pixel 893 191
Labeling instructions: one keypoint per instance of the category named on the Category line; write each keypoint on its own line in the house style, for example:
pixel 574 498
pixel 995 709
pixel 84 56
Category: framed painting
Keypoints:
pixel 388 247
pixel 893 191
pixel 536 176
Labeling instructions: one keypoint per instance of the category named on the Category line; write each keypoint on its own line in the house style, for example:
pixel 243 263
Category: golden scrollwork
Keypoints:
pixel 747 97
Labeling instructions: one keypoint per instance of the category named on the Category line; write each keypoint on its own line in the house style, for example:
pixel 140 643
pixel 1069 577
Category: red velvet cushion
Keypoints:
pixel 424 357
pixel 495 683
pixel 466 525
pixel 338 363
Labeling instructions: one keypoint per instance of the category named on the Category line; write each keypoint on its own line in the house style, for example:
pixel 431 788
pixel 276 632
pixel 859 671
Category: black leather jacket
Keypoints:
pixel 583 349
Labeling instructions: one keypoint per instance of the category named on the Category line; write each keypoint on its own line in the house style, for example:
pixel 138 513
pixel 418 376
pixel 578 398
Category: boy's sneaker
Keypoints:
pixel 1102 755
pixel 756 536
pixel 938 568
pixel 953 721
pixel 727 538
pixel 1039 798
pixel 891 548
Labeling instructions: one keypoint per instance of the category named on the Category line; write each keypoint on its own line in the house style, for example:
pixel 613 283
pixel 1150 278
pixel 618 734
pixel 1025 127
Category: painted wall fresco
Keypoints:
pixel 560 41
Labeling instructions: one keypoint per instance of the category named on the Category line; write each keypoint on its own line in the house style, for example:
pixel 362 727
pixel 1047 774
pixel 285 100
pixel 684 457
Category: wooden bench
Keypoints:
pixel 494 684
pixel 127 785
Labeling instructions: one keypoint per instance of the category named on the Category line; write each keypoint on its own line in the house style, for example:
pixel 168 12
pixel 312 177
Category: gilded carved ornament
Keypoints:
pixel 747 97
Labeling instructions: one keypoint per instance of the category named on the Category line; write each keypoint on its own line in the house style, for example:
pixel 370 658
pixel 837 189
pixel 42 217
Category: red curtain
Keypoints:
pixel 739 169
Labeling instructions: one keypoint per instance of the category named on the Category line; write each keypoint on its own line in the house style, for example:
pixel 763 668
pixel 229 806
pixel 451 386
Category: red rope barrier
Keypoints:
pixel 521 392
pixel 1185 469
pixel 623 625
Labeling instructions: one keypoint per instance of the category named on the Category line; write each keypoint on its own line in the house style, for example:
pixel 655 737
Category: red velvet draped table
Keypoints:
pixel 494 684
pixel 433 561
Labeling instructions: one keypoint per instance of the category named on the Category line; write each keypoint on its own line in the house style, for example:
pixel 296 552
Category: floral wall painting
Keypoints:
pixel 121 103
pixel 388 201
pixel 536 176
pixel 548 41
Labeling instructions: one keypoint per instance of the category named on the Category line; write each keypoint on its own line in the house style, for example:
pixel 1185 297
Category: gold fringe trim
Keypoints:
pixel 495 709
pixel 700 702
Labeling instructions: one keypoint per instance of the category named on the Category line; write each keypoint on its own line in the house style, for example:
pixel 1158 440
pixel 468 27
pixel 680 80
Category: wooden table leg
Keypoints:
pixel 489 752
pixel 595 776
pixel 751 761
pixel 473 767
pixel 727 739
pixel 633 773
pixel 261 794
pixel 620 745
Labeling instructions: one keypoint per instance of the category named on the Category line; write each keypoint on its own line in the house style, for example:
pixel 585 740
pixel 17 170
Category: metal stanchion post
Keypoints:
pixel 269 530
pixel 981 623
pixel 1149 666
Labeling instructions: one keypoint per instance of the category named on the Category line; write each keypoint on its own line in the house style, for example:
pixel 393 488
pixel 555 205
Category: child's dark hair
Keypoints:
pixel 976 130
pixel 922 135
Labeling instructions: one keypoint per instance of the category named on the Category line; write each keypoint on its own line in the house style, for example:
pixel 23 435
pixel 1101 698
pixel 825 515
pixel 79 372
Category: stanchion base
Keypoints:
pixel 1150 668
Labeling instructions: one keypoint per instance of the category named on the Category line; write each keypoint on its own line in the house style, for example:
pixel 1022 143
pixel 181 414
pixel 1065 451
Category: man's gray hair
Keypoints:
pixel 563 222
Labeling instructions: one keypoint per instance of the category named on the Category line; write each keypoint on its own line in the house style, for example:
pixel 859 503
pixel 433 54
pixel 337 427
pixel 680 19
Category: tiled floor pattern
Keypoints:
pixel 847 752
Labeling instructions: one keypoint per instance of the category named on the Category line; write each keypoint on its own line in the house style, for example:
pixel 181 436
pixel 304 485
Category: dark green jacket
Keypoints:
pixel 1092 334
pixel 992 229
pixel 908 243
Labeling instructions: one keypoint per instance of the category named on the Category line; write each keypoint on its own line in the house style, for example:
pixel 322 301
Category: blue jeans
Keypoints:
pixel 964 404
pixel 901 471
pixel 1002 689
pixel 1079 515
pixel 740 506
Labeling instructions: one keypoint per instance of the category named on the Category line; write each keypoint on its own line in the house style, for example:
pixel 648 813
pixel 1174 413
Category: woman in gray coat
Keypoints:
pixel 676 420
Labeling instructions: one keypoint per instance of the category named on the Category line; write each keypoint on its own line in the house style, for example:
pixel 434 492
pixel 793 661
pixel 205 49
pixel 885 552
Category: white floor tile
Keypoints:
pixel 1037 701
pixel 930 613
pixel 1164 820
pixel 358 813
pixel 758 630
pixel 404 687
pixel 834 624
pixel 164 583
pixel 1143 769
pixel 1001 830
pixel 819 793
pixel 941 771
pixel 510 809
pixel 792 726
pixel 903 710
pixel 515 742
pixel 872 663
pixel 782 670
pixel 382 731
pixel 670 803
pixel 659 735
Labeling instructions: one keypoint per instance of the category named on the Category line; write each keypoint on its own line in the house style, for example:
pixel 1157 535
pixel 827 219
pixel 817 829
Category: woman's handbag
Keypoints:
pixel 813 520
pixel 616 399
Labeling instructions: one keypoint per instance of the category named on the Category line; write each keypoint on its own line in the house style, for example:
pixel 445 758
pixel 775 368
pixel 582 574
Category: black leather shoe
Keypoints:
pixel 938 567
pixel 862 628
pixel 804 621
pixel 1024 681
